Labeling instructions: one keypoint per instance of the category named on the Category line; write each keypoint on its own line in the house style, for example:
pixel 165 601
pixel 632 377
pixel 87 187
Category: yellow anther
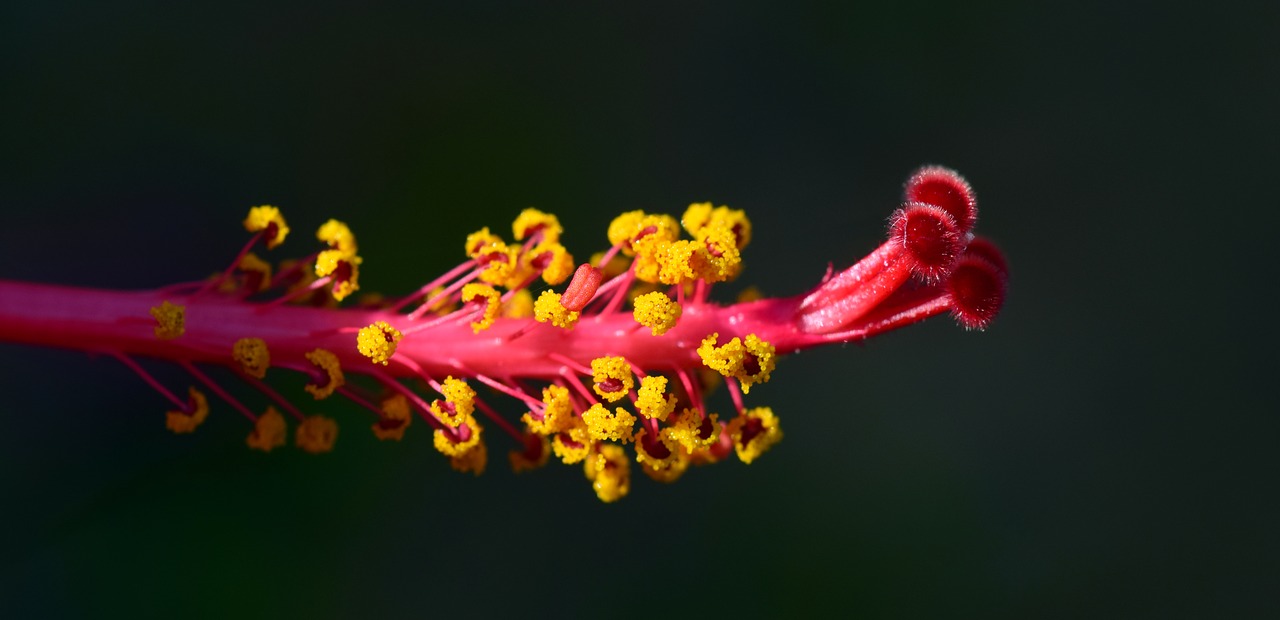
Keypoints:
pixel 609 471
pixel 532 220
pixel 343 268
pixel 533 456
pixel 555 261
pixel 605 426
pixel 652 400
pixel 268 220
pixel 479 240
pixel 718 258
pixel 556 416
pixel 458 405
pixel 726 359
pixel 759 360
pixel 658 452
pixel 257 272
pixel 186 421
pixel 656 311
pixel 519 305
pixel 328 362
pixel 316 434
pixel 676 262
pixel 448 446
pixel 648 252
pixel 378 342
pixel 631 227
pixel 672 472
pixel 574 443
pixel 754 432
pixel 471 461
pixel 547 309
pixel 696 217
pixel 612 377
pixel 700 217
pixel 749 363
pixel 693 431
pixel 623 228
pixel 170 320
pixel 492 304
pixel 269 431
pixel 338 236
pixel 501 263
pixel 395 419
pixel 253 356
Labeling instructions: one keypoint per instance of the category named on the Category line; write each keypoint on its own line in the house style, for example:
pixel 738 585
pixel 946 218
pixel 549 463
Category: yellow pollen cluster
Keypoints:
pixel 559 265
pixel 338 236
pixel 267 218
pixel 556 416
pixel 531 220
pixel 727 359
pixel 735 359
pixel 676 261
pixel 378 342
pixel 395 419
pixel 343 267
pixel 656 311
pixel 479 240
pixel 649 451
pixel 448 447
pixel 183 422
pixel 574 443
pixel 720 259
pixel 328 362
pixel 316 434
pixel 461 398
pixel 754 432
pixel 501 263
pixel 605 426
pixel 661 257
pixel 700 218
pixel 492 304
pixel 650 402
pixel 547 309
pixel 609 471
pixel 615 371
pixel 688 430
pixel 677 465
pixel 253 356
pixel 170 320
pixel 269 431
pixel 633 227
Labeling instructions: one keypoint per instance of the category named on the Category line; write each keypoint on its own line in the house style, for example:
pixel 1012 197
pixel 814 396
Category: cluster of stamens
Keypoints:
pixel 618 362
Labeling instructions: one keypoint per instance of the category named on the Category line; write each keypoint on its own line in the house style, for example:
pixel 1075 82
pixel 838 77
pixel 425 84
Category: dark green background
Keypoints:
pixel 1106 448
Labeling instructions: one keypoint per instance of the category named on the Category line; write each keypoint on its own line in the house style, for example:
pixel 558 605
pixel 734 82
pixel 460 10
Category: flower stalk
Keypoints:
pixel 479 325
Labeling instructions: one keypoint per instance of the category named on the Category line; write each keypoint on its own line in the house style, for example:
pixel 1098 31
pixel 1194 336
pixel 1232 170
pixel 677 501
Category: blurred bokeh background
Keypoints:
pixel 1106 448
